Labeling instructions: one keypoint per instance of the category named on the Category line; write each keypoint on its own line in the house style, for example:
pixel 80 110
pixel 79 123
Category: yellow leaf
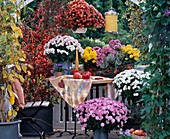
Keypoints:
pixel 9 113
pixel 11 100
pixel 18 67
pixel 5 74
pixel 14 113
pixel 22 59
pixel 13 0
pixel 15 74
pixel 16 58
pixel 16 43
pixel 24 68
pixel 29 73
pixel 8 119
pixel 2 87
pixel 10 78
pixel 30 66
pixel 21 78
pixel 20 53
pixel 9 87
pixel 17 108
pixel 17 31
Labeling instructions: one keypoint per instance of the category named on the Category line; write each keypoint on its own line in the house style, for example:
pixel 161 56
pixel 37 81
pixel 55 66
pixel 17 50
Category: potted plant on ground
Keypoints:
pixel 11 64
pixel 79 14
pixel 38 119
pixel 128 84
pixel 101 115
pixel 62 50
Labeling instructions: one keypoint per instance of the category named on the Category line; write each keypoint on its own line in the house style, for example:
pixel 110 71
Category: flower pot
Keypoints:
pixel 98 134
pixel 36 118
pixel 79 30
pixel 9 130
pixel 58 74
pixel 65 65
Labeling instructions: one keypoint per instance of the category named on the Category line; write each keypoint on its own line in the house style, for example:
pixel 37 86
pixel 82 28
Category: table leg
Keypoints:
pixel 75 134
pixel 66 113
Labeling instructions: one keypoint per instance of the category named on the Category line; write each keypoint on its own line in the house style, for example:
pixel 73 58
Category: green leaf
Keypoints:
pixel 158 15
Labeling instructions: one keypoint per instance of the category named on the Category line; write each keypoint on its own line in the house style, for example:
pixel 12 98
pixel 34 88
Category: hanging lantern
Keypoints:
pixel 111 20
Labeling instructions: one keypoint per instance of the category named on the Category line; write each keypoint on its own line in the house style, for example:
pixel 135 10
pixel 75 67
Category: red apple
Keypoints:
pixel 132 130
pixel 88 72
pixel 144 134
pixel 86 75
pixel 77 75
pixel 137 132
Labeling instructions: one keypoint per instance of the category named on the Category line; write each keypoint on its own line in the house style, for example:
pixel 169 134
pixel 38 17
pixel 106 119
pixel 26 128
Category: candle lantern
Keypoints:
pixel 111 20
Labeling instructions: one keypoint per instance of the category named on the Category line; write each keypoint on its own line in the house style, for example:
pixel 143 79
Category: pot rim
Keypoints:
pixel 9 123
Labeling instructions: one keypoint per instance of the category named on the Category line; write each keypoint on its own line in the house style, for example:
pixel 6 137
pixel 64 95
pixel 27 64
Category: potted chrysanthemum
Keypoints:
pixel 101 115
pixel 62 50
pixel 128 82
pixel 79 14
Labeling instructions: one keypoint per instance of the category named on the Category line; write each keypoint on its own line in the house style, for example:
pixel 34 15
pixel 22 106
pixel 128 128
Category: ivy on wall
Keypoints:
pixel 156 101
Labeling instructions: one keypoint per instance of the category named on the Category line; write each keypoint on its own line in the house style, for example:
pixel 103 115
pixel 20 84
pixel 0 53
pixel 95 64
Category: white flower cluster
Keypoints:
pixel 66 41
pixel 129 80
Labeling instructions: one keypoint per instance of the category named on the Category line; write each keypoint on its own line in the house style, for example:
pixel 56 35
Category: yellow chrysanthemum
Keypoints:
pixel 128 46
pixel 129 52
pixel 126 58
pixel 131 56
pixel 94 61
pixel 136 59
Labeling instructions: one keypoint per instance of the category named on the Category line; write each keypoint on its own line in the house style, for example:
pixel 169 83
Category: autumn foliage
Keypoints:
pixel 37 30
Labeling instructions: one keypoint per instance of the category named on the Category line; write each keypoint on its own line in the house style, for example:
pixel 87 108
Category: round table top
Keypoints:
pixel 94 79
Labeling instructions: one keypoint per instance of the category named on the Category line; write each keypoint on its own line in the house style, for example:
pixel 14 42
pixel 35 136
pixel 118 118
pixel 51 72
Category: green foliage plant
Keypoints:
pixel 156 100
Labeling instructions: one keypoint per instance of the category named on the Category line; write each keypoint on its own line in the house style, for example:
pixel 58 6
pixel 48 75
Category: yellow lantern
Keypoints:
pixel 111 21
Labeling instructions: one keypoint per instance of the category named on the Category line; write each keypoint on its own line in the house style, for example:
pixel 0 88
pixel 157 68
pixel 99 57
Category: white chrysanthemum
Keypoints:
pixel 136 94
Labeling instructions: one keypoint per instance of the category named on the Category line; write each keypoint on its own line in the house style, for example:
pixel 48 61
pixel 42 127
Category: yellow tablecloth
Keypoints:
pixel 75 91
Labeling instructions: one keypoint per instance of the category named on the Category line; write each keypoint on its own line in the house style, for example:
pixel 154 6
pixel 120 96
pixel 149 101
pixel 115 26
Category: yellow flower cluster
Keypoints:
pixel 133 52
pixel 89 54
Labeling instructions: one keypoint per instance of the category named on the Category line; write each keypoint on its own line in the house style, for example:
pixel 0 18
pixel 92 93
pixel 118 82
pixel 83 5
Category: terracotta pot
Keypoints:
pixel 80 30
pixel 58 74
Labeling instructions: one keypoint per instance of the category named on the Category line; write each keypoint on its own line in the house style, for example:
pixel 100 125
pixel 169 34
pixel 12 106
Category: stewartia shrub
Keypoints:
pixel 102 113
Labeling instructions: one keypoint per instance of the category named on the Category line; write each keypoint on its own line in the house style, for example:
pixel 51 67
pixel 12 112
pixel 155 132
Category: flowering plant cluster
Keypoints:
pixel 89 54
pixel 128 82
pixel 131 54
pixel 59 68
pixel 79 14
pixel 125 134
pixel 113 48
pixel 89 58
pixel 101 113
pixel 62 48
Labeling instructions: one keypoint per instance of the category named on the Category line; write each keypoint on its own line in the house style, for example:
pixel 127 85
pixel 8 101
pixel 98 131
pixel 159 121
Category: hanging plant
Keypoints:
pixel 79 14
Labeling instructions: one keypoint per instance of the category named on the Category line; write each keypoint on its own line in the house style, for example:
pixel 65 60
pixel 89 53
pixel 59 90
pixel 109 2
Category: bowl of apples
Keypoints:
pixel 138 134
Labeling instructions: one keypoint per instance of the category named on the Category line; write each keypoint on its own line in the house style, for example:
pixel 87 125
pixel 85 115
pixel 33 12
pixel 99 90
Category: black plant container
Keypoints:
pixel 36 120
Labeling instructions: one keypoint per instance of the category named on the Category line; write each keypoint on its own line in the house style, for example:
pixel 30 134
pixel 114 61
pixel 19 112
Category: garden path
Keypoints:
pixel 112 135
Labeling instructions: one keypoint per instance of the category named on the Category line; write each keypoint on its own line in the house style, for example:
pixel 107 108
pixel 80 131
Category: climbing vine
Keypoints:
pixel 157 21
pixel 134 17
